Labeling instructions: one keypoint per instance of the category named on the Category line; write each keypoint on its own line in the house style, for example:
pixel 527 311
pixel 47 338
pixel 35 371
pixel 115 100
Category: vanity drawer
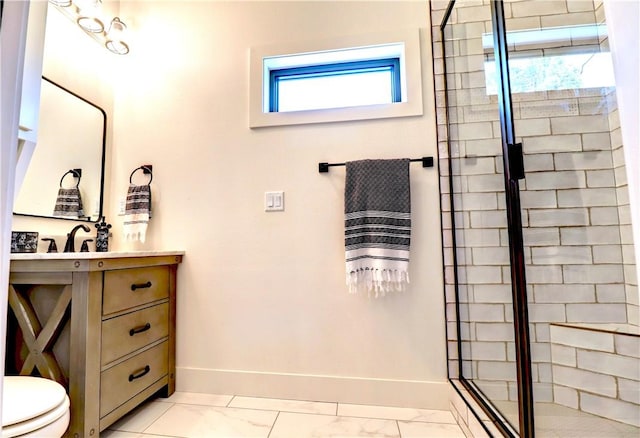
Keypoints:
pixel 123 381
pixel 127 333
pixel 126 288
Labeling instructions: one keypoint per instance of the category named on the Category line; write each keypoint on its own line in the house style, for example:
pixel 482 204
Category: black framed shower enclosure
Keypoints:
pixel 513 171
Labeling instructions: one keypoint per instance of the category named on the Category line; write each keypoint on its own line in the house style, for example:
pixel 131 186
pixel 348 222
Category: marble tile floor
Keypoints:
pixel 194 415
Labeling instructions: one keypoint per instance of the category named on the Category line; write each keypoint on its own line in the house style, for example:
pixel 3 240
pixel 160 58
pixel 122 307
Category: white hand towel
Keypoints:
pixel 137 212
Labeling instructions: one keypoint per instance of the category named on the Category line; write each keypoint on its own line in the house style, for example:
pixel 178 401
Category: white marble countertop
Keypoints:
pixel 91 255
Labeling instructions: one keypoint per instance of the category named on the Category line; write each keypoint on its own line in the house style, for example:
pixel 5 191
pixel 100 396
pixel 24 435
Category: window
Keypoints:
pixel 558 58
pixel 562 72
pixel 353 78
pixel 337 85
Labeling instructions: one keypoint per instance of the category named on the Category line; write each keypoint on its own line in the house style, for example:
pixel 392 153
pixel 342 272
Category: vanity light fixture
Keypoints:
pixel 88 15
pixel 115 37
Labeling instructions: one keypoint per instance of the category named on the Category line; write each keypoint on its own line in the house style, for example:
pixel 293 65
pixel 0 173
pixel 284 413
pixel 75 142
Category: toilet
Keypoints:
pixel 34 407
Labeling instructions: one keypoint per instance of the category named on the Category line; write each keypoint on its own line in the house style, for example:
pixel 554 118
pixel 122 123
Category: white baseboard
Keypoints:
pixel 356 390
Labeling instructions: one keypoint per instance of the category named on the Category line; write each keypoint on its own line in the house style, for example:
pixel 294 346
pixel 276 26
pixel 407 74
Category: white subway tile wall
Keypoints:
pixel 597 369
pixel 575 209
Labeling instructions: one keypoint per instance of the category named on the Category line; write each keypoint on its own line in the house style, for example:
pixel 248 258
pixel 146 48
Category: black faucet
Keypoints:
pixel 70 245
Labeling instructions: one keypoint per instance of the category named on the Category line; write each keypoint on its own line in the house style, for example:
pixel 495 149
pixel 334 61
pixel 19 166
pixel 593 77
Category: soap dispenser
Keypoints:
pixel 102 237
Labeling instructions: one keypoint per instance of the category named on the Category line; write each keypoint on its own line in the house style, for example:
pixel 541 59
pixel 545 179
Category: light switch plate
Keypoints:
pixel 273 201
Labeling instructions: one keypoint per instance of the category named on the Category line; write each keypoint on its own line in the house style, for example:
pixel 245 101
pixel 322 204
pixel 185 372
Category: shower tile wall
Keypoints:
pixel 597 371
pixel 622 195
pixel 575 207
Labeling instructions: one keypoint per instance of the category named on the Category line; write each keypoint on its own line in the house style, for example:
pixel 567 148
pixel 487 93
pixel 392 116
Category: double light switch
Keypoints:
pixel 274 201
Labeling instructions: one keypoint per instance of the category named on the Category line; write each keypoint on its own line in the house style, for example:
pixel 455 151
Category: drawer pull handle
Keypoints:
pixel 141 286
pixel 139 329
pixel 139 374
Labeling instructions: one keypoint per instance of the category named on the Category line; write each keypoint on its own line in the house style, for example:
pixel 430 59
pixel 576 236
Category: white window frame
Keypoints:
pixel 263 57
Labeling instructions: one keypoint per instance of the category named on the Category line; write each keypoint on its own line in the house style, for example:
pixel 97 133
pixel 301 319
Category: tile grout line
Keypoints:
pixel 337 410
pixel 160 416
pixel 274 424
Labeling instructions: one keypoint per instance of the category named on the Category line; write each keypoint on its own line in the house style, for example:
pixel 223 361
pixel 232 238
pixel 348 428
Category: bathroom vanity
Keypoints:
pixel 121 308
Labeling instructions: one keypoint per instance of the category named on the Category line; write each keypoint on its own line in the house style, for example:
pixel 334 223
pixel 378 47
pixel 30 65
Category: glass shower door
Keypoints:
pixel 541 70
pixel 575 210
pixel 488 257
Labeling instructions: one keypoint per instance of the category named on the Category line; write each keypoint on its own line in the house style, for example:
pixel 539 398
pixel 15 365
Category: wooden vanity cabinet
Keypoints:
pixel 122 330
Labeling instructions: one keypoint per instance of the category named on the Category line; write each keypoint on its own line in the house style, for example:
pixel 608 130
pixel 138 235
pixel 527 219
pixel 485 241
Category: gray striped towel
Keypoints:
pixel 68 203
pixel 137 212
pixel 377 225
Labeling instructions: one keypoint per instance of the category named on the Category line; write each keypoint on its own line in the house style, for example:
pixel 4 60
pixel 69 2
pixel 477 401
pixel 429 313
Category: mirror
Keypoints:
pixel 71 136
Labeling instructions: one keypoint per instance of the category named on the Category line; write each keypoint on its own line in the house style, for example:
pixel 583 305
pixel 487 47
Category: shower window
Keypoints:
pixel 560 72
pixel 558 58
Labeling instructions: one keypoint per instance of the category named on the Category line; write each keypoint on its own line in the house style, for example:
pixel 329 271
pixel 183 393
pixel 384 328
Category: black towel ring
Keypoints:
pixel 147 169
pixel 77 173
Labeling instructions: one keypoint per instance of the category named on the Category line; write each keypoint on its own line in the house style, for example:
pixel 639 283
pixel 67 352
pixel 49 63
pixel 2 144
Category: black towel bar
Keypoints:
pixel 426 162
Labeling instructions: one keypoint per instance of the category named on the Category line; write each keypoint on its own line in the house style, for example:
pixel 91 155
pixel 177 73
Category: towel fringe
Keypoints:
pixel 377 281
pixel 137 213
pixel 377 226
